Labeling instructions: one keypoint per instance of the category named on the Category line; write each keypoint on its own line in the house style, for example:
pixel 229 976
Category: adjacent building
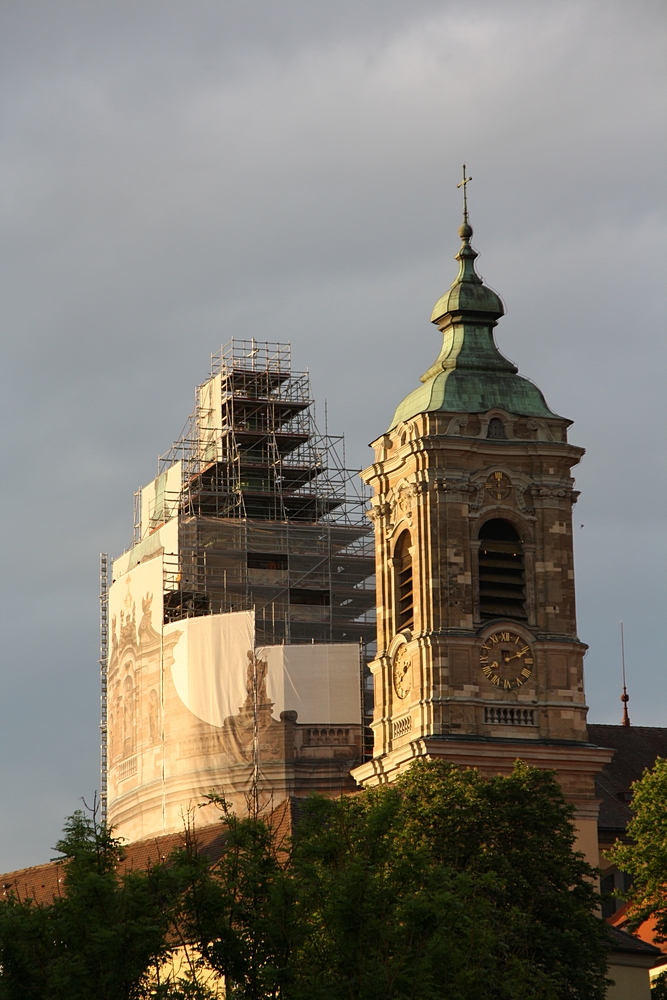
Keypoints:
pixel 239 620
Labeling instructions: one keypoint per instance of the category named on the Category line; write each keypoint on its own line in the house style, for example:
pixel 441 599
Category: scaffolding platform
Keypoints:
pixel 269 517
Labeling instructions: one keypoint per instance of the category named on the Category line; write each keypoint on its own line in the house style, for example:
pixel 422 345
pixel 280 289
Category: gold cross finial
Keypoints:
pixel 464 182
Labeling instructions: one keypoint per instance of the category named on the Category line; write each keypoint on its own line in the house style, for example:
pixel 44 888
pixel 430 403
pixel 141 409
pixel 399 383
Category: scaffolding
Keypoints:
pixel 270 518
pixel 251 448
pixel 104 667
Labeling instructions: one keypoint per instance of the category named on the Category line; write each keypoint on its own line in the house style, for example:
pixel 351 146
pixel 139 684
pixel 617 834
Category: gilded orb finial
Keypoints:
pixel 465 231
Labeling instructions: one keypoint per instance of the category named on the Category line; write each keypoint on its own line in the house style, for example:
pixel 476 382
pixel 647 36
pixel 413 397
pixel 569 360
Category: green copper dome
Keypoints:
pixel 470 374
pixel 468 292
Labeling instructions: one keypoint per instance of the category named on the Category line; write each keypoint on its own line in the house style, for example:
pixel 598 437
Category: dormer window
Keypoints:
pixel 496 429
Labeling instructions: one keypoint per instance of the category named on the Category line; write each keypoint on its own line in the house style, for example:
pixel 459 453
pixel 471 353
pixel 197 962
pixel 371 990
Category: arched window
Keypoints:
pixel 502 579
pixel 496 429
pixel 403 578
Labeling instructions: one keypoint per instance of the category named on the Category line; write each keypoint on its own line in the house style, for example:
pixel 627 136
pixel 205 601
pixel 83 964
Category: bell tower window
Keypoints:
pixel 496 429
pixel 403 578
pixel 502 578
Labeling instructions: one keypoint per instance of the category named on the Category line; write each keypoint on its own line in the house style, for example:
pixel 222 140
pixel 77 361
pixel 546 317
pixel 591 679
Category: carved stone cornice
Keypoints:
pixel 555 493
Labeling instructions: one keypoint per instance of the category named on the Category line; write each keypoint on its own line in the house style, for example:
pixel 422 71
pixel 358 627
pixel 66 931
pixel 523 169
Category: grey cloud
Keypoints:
pixel 177 173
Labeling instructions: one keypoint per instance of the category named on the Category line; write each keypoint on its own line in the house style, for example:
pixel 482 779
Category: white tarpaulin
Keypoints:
pixel 136 597
pixel 210 419
pixel 210 665
pixel 166 537
pixel 319 682
pixel 159 500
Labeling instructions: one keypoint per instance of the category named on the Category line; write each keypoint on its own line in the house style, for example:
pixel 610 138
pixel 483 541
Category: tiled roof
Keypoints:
pixel 40 882
pixel 636 749
pixel 43 882
pixel 622 941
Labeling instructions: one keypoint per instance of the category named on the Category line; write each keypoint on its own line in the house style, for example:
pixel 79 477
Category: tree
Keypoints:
pixel 104 937
pixel 645 857
pixel 443 885
pixel 239 913
pixel 659 987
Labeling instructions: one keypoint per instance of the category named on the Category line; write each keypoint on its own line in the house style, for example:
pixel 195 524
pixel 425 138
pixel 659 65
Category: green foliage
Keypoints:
pixel 659 987
pixel 99 939
pixel 645 858
pixel 447 885
pixel 442 885
pixel 241 911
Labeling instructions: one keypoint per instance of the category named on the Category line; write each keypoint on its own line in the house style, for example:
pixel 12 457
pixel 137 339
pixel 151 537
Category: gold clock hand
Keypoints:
pixel 517 656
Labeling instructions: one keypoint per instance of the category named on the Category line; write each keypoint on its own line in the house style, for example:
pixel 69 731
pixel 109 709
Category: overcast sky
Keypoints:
pixel 177 173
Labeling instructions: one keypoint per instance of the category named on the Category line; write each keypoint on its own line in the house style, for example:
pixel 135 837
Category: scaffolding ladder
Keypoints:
pixel 104 665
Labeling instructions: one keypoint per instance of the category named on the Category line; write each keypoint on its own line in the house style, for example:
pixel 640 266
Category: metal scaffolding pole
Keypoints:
pixel 104 665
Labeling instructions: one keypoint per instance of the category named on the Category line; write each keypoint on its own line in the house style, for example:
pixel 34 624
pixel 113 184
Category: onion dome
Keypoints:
pixel 468 293
pixel 470 374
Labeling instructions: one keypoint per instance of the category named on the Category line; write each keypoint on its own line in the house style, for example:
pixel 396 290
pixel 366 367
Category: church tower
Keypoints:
pixel 478 658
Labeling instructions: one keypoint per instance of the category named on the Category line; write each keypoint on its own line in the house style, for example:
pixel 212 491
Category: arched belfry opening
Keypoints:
pixel 502 577
pixel 403 582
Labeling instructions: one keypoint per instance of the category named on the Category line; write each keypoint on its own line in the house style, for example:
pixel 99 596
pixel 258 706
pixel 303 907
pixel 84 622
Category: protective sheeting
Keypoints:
pixel 159 500
pixel 166 537
pixel 210 419
pixel 210 665
pixel 319 682
pixel 212 671
pixel 186 700
pixel 135 602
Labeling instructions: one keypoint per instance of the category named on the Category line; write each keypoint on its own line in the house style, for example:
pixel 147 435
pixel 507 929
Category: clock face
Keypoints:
pixel 498 486
pixel 402 672
pixel 506 659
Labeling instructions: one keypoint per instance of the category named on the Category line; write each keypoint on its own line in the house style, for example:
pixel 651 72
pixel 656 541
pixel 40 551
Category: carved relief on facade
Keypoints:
pixel 153 716
pixel 524 498
pixel 402 501
pixel 542 429
pixel 556 493
pixel 380 511
pixel 128 704
pixel 399 502
pixel 514 490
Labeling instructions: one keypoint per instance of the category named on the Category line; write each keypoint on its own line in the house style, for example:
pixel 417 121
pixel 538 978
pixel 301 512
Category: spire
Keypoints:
pixel 468 294
pixel 466 255
pixel 464 183
pixel 625 697
pixel 470 375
